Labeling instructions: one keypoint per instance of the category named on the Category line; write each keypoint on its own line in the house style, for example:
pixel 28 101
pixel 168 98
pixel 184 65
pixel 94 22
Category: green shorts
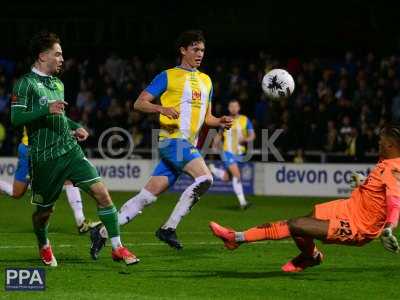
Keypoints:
pixel 48 177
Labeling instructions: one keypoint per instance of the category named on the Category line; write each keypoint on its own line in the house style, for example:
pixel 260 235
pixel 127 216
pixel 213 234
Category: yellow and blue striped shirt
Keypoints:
pixel 241 127
pixel 190 93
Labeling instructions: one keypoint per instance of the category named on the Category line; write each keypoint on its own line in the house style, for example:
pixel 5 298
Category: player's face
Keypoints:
pixel 53 59
pixel 234 108
pixel 193 54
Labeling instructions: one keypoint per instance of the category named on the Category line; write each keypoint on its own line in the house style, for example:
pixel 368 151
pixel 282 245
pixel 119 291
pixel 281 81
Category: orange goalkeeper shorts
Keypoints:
pixel 342 229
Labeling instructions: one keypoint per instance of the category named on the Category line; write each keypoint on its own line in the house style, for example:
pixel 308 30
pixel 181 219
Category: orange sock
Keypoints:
pixel 270 231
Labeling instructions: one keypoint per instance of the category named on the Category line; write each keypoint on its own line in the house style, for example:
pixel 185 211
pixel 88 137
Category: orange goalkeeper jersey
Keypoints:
pixel 367 203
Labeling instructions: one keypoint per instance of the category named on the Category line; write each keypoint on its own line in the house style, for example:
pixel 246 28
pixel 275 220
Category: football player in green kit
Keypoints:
pixel 38 104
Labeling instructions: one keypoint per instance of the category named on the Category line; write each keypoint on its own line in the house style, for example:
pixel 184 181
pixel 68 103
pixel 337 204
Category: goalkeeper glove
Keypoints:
pixel 356 179
pixel 389 241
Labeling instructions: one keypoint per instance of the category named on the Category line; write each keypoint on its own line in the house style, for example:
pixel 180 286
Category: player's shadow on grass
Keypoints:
pixel 250 275
pixel 24 260
pixel 36 261
pixel 199 274
pixel 188 253
pixel 384 270
pixel 229 207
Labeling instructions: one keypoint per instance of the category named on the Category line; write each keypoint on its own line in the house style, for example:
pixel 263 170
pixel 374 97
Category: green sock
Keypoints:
pixel 109 217
pixel 41 234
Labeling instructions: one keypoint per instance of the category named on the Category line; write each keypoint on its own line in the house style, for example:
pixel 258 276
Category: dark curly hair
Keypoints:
pixel 41 42
pixel 188 38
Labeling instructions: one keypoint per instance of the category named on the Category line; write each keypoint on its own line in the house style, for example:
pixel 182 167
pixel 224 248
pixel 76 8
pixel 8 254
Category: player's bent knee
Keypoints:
pixel 19 189
pixel 104 200
pixel 42 216
pixel 156 185
pixel 294 225
pixel 100 193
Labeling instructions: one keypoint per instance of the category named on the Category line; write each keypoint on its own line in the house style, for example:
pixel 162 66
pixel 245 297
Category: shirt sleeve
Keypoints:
pixel 391 178
pixel 20 92
pixel 211 94
pixel 158 85
pixel 19 104
pixel 249 125
pixel 73 125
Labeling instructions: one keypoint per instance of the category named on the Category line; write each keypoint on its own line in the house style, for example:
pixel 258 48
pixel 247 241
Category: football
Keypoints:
pixel 277 84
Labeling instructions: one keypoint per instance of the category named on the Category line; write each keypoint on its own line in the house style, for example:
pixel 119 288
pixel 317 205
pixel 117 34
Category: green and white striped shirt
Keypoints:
pixel 49 134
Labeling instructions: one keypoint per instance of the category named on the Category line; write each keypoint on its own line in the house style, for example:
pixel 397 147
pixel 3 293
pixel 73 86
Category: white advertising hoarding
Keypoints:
pixel 310 179
pixel 118 174
pixel 285 179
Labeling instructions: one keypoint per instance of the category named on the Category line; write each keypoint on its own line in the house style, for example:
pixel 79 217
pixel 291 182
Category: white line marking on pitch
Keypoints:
pixel 135 244
pixel 123 232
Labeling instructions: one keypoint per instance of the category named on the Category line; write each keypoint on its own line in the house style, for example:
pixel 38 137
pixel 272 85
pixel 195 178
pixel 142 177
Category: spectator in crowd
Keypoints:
pixel 299 156
pixel 4 100
pixel 332 138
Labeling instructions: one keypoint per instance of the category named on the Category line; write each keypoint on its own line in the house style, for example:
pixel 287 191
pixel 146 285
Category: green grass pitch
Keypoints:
pixel 203 269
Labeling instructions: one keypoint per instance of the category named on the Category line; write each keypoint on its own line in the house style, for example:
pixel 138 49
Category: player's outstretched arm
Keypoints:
pixel 21 99
pixel 143 104
pixel 387 237
pixel 250 137
pixel 73 125
pixel 80 133
pixel 21 116
pixel 389 240
pixel 224 121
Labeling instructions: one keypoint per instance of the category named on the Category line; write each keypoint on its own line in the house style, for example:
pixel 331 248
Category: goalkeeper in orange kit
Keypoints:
pixel 371 211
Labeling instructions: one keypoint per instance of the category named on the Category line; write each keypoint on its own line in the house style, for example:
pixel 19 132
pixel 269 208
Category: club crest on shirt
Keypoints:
pixel 196 95
pixel 40 85
pixel 43 100
pixel 37 198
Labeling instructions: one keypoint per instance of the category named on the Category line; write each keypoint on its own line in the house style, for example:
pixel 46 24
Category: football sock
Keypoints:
pixel 116 242
pixel 75 201
pixel 41 235
pixel 109 217
pixel 134 206
pixel 188 198
pixel 238 188
pixel 6 187
pixel 270 231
